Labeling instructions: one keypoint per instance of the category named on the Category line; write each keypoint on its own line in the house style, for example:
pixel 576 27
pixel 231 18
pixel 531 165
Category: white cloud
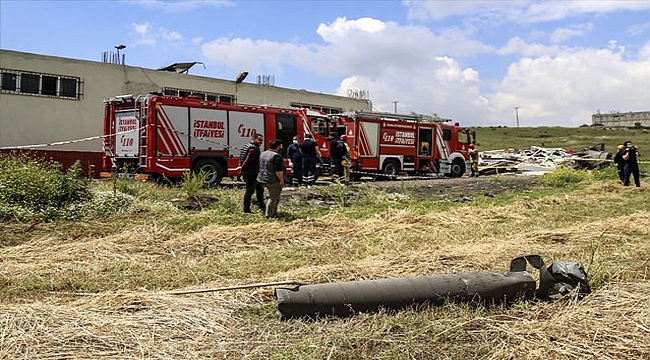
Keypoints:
pixel 341 28
pixel 143 34
pixel 176 6
pixel 517 45
pixel 146 34
pixel 563 34
pixel 254 55
pixel 364 46
pixel 565 88
pixel 638 29
pixel 423 70
pixel 519 11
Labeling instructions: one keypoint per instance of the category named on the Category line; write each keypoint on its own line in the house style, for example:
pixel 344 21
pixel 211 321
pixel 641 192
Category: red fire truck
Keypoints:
pixel 387 143
pixel 157 135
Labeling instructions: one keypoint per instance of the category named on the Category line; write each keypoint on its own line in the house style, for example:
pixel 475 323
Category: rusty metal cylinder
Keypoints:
pixel 347 298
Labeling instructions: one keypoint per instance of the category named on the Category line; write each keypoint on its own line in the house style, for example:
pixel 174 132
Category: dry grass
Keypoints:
pixel 128 317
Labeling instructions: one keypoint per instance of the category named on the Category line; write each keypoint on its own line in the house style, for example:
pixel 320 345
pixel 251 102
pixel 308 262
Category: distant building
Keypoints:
pixel 617 119
pixel 46 99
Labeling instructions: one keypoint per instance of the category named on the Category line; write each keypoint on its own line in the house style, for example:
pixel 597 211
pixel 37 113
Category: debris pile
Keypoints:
pixel 539 160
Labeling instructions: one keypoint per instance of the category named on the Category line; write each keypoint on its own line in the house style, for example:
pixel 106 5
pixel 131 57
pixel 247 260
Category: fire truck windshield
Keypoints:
pixel 320 126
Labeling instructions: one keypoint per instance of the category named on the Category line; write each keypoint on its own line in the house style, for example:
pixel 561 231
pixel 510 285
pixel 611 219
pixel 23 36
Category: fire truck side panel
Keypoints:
pixel 242 126
pixel 208 129
pixel 126 130
pixel 172 130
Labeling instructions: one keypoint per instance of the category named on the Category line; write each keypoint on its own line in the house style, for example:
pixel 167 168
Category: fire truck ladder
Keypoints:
pixel 143 113
pixel 394 117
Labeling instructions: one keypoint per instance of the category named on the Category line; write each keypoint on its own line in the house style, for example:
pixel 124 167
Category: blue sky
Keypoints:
pixel 472 61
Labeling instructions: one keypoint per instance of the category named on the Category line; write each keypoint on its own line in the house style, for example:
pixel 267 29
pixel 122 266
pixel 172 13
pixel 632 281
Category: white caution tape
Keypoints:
pixel 65 142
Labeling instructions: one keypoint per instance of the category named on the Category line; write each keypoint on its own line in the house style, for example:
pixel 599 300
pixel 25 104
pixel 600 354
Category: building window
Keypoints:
pixel 325 109
pixel 184 93
pixel 48 85
pixel 68 88
pixel 9 81
pixel 31 83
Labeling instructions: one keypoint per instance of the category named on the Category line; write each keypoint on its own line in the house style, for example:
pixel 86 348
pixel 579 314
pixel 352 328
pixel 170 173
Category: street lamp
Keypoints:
pixel 517 115
pixel 120 47
pixel 240 78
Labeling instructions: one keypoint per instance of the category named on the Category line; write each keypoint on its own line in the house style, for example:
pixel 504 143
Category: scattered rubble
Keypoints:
pixel 539 160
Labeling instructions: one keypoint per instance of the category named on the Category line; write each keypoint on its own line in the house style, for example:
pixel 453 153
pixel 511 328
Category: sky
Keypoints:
pixel 557 62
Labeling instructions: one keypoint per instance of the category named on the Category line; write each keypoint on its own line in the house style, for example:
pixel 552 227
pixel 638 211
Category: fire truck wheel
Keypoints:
pixel 457 168
pixel 212 168
pixel 391 167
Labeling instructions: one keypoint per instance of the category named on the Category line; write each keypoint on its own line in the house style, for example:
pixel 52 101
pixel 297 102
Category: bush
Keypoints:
pixel 564 176
pixel 37 187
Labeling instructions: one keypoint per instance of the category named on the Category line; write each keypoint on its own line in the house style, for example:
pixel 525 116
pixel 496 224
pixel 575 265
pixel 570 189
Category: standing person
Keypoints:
pixel 272 176
pixel 249 166
pixel 473 158
pixel 295 157
pixel 347 160
pixel 620 163
pixel 310 155
pixel 337 152
pixel 631 165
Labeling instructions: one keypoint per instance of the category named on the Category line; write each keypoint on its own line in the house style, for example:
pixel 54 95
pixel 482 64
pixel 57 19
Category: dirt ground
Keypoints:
pixel 442 189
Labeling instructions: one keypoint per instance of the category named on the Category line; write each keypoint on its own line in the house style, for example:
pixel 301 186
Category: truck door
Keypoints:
pixel 285 130
pixel 425 150
pixel 368 145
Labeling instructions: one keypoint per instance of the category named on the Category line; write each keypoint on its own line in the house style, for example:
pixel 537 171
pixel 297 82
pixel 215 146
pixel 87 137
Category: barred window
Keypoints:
pixel 9 81
pixel 39 84
pixel 227 98
pixel 29 83
pixel 325 109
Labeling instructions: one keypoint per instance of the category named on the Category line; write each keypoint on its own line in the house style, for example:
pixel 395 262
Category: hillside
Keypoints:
pixel 493 138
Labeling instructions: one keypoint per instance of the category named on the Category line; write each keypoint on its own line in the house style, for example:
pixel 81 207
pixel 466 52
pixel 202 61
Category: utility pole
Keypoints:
pixel 517 115
pixel 395 103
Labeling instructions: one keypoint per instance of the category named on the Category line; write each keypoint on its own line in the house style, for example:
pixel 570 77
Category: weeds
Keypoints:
pixel 33 189
pixel 192 184
pixel 564 176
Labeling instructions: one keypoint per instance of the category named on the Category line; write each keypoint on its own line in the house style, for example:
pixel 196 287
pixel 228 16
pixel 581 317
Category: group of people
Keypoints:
pixel 627 164
pixel 266 169
pixel 303 156
pixel 262 170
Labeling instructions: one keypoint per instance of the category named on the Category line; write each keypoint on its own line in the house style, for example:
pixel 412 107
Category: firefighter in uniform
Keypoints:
pixel 249 165
pixel 295 157
pixel 310 155
pixel 272 176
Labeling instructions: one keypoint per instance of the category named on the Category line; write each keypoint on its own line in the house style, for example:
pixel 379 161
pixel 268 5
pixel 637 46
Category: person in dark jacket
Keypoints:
pixel 310 154
pixel 249 166
pixel 620 163
pixel 630 157
pixel 272 175
pixel 294 155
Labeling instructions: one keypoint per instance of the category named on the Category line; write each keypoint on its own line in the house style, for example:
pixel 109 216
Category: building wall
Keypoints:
pixel 629 119
pixel 31 119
